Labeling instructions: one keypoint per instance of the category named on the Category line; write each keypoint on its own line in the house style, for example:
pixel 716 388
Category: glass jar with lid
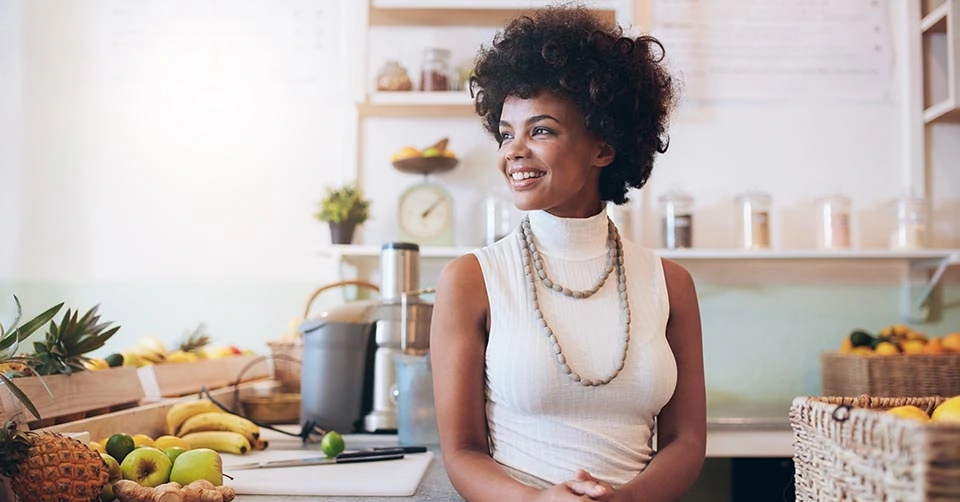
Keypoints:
pixel 498 217
pixel 677 222
pixel 834 222
pixel 393 77
pixel 435 70
pixel 912 220
pixel 754 219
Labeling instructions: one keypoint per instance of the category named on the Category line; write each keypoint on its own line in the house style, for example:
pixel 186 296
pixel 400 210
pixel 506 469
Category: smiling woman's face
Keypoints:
pixel 550 158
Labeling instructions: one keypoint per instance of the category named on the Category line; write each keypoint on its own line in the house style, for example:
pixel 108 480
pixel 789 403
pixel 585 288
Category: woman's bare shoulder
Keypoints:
pixel 680 285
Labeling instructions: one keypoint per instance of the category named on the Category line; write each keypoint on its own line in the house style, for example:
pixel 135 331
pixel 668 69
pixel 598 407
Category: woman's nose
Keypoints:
pixel 516 149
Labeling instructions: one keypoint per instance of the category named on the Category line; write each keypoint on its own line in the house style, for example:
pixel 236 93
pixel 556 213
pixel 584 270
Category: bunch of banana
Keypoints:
pixel 204 425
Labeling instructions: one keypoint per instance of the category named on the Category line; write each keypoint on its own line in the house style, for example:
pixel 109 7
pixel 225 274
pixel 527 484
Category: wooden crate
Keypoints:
pixel 181 379
pixel 72 397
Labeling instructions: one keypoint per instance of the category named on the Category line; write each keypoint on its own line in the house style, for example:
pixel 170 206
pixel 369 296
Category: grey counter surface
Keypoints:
pixel 436 486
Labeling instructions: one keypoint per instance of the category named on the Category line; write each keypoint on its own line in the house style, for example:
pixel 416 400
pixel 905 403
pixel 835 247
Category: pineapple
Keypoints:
pixel 63 349
pixel 50 467
pixel 196 340
pixel 43 466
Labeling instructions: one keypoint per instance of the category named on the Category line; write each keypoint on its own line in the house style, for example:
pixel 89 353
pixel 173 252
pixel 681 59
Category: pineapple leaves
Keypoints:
pixel 17 335
pixel 62 350
pixel 20 395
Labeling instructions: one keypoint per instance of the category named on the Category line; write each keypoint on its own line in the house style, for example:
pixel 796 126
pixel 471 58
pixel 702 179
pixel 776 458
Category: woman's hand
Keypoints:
pixel 562 492
pixel 589 486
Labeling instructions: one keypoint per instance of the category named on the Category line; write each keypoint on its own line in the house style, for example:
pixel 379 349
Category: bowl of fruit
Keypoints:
pixel 432 159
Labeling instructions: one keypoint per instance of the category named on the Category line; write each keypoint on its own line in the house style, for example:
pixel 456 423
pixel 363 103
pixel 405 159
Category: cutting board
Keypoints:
pixel 388 478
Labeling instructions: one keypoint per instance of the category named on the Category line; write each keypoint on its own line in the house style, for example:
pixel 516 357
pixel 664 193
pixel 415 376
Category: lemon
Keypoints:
pixel 97 447
pixel 913 347
pixel 887 348
pixel 948 411
pixel 332 444
pixel 911 412
pixel 164 442
pixel 119 445
pixel 142 440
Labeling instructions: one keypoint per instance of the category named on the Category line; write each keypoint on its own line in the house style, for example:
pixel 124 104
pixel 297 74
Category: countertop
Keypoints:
pixel 731 428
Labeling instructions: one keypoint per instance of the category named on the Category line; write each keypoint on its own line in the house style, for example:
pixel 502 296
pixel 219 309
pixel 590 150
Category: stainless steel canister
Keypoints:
pixel 399 270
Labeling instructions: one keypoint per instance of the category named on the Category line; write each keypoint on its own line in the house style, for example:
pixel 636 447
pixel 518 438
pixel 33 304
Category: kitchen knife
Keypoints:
pixel 343 458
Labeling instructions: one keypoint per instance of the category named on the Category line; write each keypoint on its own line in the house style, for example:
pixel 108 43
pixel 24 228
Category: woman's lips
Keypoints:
pixel 525 183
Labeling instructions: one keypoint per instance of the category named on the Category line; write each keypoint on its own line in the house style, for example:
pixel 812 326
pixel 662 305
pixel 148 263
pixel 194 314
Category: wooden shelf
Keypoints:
pixel 417 104
pixel 474 12
pixel 482 4
pixel 342 251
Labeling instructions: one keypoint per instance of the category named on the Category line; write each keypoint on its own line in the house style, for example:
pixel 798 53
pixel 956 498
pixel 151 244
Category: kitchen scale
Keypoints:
pixel 425 209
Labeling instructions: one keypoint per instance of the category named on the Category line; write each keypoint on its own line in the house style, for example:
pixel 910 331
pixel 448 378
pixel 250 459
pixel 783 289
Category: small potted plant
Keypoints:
pixel 343 209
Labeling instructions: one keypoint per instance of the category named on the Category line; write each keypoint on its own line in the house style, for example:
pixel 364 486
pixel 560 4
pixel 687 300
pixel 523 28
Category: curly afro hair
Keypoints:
pixel 617 82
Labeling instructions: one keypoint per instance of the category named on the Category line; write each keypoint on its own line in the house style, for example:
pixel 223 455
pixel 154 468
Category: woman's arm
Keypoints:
pixel 458 339
pixel 682 423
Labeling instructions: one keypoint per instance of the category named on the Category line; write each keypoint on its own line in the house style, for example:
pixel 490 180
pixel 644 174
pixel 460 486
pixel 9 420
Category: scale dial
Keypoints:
pixel 426 215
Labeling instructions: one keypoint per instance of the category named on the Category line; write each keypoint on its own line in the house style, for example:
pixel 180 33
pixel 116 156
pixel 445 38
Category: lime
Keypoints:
pixel 332 444
pixel 119 445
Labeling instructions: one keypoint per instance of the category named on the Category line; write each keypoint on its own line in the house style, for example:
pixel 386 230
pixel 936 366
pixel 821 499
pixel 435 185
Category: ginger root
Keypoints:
pixel 131 491
pixel 197 491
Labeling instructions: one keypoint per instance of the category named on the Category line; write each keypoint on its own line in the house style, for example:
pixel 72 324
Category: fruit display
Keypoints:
pixel 202 424
pixel 898 339
pixel 195 346
pixel 435 158
pixel 946 412
pixel 165 468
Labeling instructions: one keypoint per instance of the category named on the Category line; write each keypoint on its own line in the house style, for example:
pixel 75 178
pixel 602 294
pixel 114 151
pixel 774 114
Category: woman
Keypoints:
pixel 557 350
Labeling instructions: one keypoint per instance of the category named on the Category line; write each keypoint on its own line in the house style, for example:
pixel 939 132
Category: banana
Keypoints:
pixel 260 444
pixel 220 421
pixel 180 412
pixel 221 441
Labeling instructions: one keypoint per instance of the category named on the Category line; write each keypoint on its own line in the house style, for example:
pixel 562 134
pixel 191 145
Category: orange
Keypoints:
pixel 934 346
pixel 951 342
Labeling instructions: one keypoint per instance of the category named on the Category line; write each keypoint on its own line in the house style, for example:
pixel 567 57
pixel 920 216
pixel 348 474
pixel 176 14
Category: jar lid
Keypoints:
pixel 436 53
pixel 676 196
pixel 755 197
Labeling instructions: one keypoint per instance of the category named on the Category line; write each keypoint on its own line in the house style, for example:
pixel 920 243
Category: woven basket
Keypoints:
pixel 287 354
pixel 890 376
pixel 847 449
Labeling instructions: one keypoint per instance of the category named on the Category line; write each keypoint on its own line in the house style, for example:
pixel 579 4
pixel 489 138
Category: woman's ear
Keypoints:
pixel 606 155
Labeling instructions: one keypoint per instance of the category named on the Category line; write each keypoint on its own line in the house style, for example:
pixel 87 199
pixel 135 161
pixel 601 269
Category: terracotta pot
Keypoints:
pixel 342 233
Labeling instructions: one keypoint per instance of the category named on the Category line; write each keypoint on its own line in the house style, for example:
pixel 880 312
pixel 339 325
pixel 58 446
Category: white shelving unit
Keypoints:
pixel 940 51
pixel 925 267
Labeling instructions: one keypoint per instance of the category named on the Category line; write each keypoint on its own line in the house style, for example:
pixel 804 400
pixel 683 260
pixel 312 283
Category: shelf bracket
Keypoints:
pixel 920 284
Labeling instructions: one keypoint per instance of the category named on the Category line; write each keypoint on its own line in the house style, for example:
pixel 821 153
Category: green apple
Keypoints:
pixel 113 467
pixel 147 466
pixel 173 452
pixel 106 493
pixel 198 463
pixel 432 152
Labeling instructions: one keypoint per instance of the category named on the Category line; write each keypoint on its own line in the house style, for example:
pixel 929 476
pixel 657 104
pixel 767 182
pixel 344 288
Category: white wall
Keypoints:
pixel 11 88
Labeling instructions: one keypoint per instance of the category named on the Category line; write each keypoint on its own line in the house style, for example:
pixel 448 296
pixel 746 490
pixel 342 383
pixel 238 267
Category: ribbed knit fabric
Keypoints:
pixel 540 421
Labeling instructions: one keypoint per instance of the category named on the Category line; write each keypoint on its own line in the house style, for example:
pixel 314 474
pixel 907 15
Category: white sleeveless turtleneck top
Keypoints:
pixel 540 421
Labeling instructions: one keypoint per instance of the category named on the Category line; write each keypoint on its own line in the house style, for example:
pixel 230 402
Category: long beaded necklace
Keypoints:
pixel 533 262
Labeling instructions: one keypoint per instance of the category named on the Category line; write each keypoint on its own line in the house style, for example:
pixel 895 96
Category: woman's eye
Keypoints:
pixel 505 135
pixel 540 130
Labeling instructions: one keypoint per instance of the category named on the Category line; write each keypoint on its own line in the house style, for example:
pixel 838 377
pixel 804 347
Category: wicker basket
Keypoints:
pixel 846 449
pixel 890 376
pixel 287 354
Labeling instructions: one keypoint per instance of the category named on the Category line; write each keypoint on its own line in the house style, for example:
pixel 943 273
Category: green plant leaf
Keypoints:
pixel 21 396
pixel 17 335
